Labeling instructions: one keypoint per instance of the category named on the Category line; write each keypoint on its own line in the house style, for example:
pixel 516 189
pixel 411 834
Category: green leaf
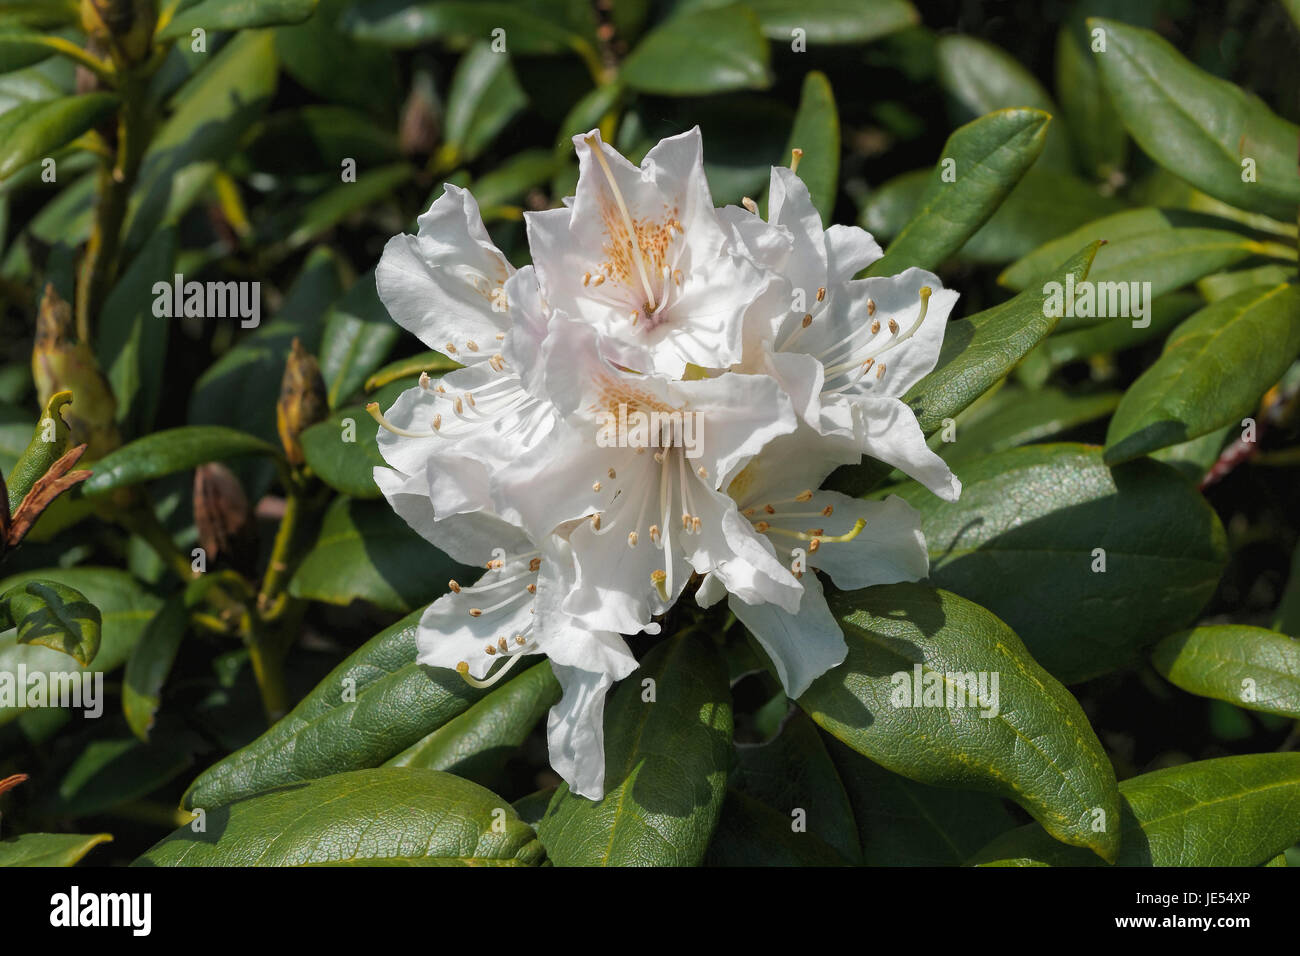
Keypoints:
pixel 35 129
pixel 484 97
pixel 817 132
pixel 49 849
pixel 20 49
pixel 793 773
pixel 665 766
pixel 149 664
pixel 1231 811
pixel 1044 262
pixel 401 23
pixel 1098 337
pixel 305 140
pixel 241 387
pixel 130 340
pixel 476 744
pixel 39 454
pixel 380 817
pixel 1198 126
pixel 750 833
pixel 699 52
pixel 905 823
pixel 311 54
pixel 982 78
pixel 366 552
pixel 210 115
pixel 1251 667
pixel 1096 133
pixel 1025 418
pixel 52 615
pixel 214 15
pixel 833 21
pixel 169 451
pixel 1223 284
pixel 108 773
pixel 343 452
pixel 324 212
pixel 894 633
pixel 374 705
pixel 988 157
pixel 358 337
pixel 979 351
pixel 125 608
pixel 1022 542
pixel 1214 368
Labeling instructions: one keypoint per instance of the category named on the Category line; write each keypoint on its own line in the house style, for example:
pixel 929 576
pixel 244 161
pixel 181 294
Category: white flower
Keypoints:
pixel 660 395
pixel 858 543
pixel 641 256
pixel 651 501
pixel 845 350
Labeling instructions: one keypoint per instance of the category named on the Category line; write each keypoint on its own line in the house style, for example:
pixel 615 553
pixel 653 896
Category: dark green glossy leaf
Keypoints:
pixel 793 774
pixel 750 833
pixel 387 816
pixel 982 78
pixel 374 705
pixel 52 615
pixel 35 129
pixel 1021 542
pixel 1214 368
pixel 476 744
pixel 484 97
pixel 125 608
pixel 698 52
pixel 1027 417
pixel 981 350
pixel 366 552
pixel 1231 811
pixel 895 633
pixel 988 157
pixel 167 452
pixel 665 766
pixel 401 23
pixel 1096 338
pixel 833 21
pixel 130 340
pixel 49 849
pixel 817 132
pixel 312 54
pixel 1198 126
pixel 1096 133
pixel 343 452
pixel 371 188
pixel 1251 667
pixel 149 664
pixel 214 15
pixel 905 823
pixel 110 772
pixel 358 337
pixel 19 49
pixel 210 114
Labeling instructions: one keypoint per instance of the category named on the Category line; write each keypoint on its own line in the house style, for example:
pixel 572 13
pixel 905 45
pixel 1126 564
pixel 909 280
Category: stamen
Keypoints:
pixel 463 670
pixel 377 415
pixel 796 154
pixel 627 217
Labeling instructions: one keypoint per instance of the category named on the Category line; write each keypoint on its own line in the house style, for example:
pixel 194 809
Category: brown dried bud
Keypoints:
pixel 420 126
pixel 222 515
pixel 302 401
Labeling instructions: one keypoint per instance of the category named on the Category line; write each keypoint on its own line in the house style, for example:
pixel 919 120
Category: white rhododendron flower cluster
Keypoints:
pixel 655 401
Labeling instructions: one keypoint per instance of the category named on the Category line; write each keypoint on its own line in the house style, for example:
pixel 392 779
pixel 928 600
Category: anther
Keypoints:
pixel 597 279
pixel 807 320
pixel 702 472
pixel 586 279
pixel 750 205
pixel 450 348
pixel 424 381
pixel 471 345
pixel 534 564
pixel 595 486
pixel 821 293
pixel 893 327
pixel 828 510
pixel 631 539
pixel 489 650
pixel 875 327
pixel 455 588
pixel 476 612
pixel 612 474
pixel 805 495
pixel 871 307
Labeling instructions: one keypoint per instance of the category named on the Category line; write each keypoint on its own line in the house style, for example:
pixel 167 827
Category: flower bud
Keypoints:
pixel 302 401
pixel 60 363
pixel 124 26
pixel 222 516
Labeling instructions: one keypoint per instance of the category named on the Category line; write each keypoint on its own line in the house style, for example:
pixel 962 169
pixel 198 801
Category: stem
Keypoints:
pixel 267 656
pixel 279 565
pixel 114 188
